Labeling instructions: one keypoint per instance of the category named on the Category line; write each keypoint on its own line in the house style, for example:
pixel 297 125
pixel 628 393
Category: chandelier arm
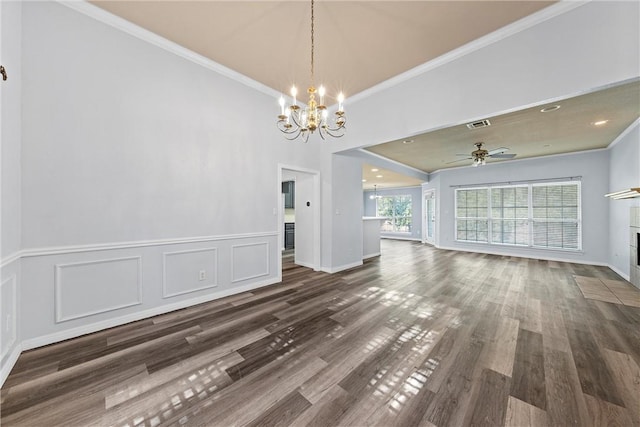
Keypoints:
pixel 333 132
pixel 297 134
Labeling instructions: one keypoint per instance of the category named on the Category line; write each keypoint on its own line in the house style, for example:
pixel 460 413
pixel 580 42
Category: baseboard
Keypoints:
pixel 332 270
pixel 392 237
pixel 10 363
pixel 620 273
pixel 43 340
pixel 546 258
pixel 370 255
pixel 306 264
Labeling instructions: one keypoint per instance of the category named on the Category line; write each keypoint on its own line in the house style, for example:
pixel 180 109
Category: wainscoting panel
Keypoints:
pixel 249 261
pixel 189 271
pixel 8 315
pixel 75 290
pixel 87 288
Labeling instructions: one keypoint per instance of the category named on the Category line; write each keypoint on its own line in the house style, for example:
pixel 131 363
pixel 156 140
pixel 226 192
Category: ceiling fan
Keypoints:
pixel 479 155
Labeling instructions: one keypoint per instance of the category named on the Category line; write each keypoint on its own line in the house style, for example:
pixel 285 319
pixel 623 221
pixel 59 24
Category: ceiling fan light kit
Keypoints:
pixel 479 155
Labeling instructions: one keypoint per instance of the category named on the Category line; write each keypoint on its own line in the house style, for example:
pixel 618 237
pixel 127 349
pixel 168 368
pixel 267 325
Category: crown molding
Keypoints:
pixel 134 30
pixel 624 133
pixel 494 37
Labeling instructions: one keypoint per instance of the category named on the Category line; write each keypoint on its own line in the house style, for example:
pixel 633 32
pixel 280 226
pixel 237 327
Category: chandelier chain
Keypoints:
pixel 301 121
pixel 312 45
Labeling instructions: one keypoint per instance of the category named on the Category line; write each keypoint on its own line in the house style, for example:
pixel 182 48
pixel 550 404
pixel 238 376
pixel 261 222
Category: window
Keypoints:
pixel 398 211
pixel 555 216
pixel 472 223
pixel 534 215
pixel 510 215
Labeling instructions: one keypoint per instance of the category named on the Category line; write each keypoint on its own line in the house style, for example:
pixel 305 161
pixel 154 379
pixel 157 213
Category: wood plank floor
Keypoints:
pixel 418 336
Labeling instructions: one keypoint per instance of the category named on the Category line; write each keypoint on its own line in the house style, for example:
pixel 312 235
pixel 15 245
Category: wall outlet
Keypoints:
pixel 202 275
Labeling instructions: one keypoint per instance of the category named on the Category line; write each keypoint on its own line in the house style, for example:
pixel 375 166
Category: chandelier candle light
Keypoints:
pixel 296 121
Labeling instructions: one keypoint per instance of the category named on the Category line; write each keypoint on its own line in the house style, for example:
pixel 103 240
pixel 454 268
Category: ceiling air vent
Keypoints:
pixel 479 124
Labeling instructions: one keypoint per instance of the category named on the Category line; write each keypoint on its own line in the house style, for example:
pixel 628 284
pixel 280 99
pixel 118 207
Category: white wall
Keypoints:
pixel 143 168
pixel 342 212
pixel 587 47
pixel 305 217
pixel 624 172
pixel 592 166
pixel 10 239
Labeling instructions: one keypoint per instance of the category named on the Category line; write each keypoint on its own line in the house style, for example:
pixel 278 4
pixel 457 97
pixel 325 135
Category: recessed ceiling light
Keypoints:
pixel 600 122
pixel 378 176
pixel 550 108
pixel 374 170
pixel 364 180
pixel 408 141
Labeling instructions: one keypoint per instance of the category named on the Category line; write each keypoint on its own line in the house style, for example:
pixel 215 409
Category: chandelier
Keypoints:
pixel 301 121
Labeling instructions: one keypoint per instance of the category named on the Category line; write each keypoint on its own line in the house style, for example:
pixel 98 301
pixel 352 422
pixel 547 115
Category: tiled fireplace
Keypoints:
pixel 634 271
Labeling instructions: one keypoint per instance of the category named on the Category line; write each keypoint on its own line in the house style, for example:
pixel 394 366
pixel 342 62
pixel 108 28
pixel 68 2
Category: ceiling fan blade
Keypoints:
pixel 502 156
pixel 498 151
pixel 466 155
pixel 459 160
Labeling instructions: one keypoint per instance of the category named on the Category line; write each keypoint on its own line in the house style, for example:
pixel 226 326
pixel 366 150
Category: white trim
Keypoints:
pixel 58 291
pixel 10 363
pixel 624 133
pixel 384 190
pixel 12 280
pixel 242 279
pixel 304 264
pixel 213 284
pixel 620 272
pixel 137 244
pixel 372 255
pixel 11 258
pixel 138 32
pixel 425 175
pixel 42 340
pixel 532 256
pixel 316 203
pixel 332 270
pixel 477 44
pixel 395 237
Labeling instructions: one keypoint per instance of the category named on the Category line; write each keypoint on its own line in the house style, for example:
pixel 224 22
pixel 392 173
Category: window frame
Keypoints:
pixel 467 218
pixel 393 217
pixel 529 220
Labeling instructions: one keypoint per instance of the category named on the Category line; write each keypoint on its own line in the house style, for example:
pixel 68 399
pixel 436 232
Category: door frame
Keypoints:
pixel 315 203
pixel 429 193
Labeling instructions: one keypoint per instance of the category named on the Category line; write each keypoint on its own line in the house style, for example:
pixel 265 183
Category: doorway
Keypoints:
pixel 429 217
pixel 303 215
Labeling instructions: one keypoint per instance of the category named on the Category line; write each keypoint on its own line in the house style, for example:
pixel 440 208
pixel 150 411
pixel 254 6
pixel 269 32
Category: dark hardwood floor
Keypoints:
pixel 419 336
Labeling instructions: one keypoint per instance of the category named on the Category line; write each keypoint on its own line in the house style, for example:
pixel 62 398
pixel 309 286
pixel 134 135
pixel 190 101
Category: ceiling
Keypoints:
pixel 373 176
pixel 359 44
pixel 527 133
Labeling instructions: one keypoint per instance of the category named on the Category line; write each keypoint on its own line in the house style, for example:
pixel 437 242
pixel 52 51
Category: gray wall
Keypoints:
pixel 10 199
pixel 504 74
pixel 138 172
pixel 624 172
pixel 592 166
pixel 138 165
pixel 416 206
